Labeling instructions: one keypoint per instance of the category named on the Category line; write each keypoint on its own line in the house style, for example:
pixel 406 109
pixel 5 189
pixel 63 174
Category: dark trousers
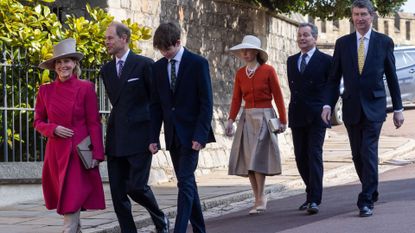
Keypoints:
pixel 188 203
pixel 308 143
pixel 128 176
pixel 364 140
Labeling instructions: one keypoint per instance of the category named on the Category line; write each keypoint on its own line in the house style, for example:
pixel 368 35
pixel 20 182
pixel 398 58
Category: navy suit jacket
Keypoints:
pixel 188 111
pixel 366 90
pixel 307 89
pixel 128 129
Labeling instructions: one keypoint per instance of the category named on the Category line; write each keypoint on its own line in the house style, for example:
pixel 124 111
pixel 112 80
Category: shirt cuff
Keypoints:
pixel 326 106
pixel 400 110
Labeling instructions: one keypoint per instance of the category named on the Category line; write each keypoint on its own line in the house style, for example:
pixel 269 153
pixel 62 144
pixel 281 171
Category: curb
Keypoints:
pixel 336 173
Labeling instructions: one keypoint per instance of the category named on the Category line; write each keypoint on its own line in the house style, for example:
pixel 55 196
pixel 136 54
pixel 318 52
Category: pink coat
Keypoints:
pixel 67 185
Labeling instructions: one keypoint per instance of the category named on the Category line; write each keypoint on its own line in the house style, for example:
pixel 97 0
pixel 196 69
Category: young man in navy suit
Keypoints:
pixel 308 73
pixel 363 58
pixel 182 100
pixel 127 80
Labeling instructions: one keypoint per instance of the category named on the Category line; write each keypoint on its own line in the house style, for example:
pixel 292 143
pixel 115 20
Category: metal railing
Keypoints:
pixel 19 83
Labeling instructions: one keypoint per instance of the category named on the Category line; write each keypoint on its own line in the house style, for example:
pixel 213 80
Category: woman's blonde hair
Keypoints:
pixel 77 70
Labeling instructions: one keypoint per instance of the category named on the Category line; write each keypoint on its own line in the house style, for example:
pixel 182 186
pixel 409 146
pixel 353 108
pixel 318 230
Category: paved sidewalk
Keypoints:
pixel 215 189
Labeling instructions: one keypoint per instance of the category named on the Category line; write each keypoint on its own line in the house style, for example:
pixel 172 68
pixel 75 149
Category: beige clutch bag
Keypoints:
pixel 274 124
pixel 85 152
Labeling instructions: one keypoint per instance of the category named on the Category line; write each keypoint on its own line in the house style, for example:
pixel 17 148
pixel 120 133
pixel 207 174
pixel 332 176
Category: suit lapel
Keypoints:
pixel 352 41
pixel 120 82
pixel 371 50
pixel 310 63
pixel 294 64
pixel 183 65
pixel 128 67
pixel 164 78
pixel 313 59
pixel 112 80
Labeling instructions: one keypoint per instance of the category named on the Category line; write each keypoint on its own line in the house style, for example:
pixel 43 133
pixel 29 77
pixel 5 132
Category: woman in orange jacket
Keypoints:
pixel 255 152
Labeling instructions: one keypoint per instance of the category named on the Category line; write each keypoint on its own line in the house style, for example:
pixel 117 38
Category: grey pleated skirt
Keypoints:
pixel 254 147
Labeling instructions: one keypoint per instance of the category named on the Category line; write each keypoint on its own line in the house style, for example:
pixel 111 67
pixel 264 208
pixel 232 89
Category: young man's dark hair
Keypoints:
pixel 166 35
pixel 181 101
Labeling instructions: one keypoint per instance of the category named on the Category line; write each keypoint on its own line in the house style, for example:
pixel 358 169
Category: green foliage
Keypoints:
pixel 35 28
pixel 28 31
pixel 324 9
pixel 32 28
pixel 89 35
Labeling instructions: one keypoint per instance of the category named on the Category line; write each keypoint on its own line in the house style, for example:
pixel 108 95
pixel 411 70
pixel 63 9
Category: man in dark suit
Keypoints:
pixel 307 73
pixel 182 100
pixel 363 58
pixel 127 80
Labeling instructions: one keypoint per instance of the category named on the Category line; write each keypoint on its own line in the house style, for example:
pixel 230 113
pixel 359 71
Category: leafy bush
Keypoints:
pixel 27 35
pixel 36 29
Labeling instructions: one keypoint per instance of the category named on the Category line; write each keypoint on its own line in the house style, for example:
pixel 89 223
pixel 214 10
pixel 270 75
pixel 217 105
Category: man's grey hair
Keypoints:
pixel 121 29
pixel 314 29
pixel 364 4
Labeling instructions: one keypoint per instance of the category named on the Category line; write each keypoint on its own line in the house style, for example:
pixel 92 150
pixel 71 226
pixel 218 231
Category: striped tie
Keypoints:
pixel 120 66
pixel 173 77
pixel 303 63
pixel 361 54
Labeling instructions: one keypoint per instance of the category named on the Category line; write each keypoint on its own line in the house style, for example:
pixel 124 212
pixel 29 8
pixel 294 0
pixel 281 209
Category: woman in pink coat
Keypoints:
pixel 66 112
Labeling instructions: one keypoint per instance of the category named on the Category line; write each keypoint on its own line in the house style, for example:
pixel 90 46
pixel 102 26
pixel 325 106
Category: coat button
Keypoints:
pixel 173 108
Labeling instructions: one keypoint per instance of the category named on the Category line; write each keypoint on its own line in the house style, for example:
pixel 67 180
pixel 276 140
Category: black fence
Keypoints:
pixel 19 83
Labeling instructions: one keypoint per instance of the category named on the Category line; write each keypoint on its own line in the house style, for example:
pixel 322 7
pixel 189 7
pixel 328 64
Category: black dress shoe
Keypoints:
pixel 365 211
pixel 303 206
pixel 312 208
pixel 166 228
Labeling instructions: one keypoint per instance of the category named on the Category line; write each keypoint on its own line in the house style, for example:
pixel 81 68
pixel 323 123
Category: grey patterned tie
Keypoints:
pixel 173 77
pixel 303 63
pixel 120 64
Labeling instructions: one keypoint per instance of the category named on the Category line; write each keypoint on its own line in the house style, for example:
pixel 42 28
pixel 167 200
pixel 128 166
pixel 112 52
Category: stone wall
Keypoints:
pixel 210 28
pixel 399 26
pixel 144 12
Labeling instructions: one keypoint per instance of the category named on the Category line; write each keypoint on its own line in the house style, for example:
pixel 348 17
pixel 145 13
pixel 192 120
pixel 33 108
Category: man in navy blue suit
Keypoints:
pixel 308 73
pixel 127 80
pixel 182 100
pixel 363 58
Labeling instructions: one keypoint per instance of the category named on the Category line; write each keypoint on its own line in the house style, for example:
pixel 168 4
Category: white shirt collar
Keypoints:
pixel 123 58
pixel 366 36
pixel 310 52
pixel 179 55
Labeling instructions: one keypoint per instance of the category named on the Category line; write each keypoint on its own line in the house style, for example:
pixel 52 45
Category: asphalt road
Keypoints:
pixel 388 129
pixel 393 213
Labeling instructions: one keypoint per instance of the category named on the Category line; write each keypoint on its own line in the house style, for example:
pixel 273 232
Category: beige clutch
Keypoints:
pixel 274 124
pixel 85 152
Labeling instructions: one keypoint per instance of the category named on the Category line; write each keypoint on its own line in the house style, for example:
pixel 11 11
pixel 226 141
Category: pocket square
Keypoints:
pixel 133 79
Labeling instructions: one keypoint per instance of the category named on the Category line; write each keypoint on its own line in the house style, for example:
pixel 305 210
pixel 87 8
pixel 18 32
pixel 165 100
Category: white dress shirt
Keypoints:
pixel 307 59
pixel 123 58
pixel 178 59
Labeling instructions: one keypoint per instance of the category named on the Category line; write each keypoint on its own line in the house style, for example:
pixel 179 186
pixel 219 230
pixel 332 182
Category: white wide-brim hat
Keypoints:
pixel 250 42
pixel 65 48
